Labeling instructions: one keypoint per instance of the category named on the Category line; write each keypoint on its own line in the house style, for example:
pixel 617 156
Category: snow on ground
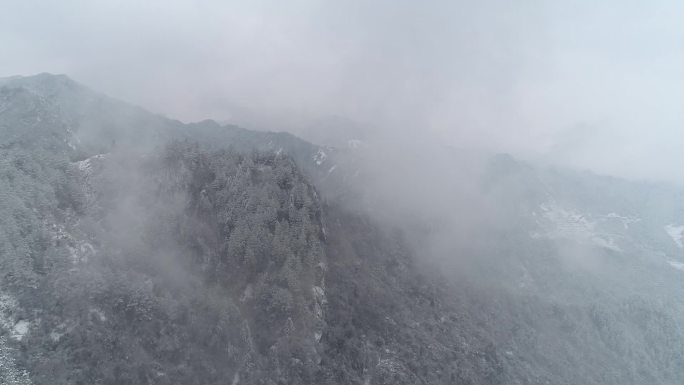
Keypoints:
pixel 319 293
pixel 20 329
pixel 355 143
pixel 606 243
pixel 676 265
pixel 79 251
pixel 98 313
pixel 320 301
pixel 247 294
pixel 557 222
pixel 72 140
pixel 676 233
pixel 55 336
pixel 626 221
pixel 566 223
pixel 319 157
pixel 86 165
pixel 526 279
pixel 61 329
pixel 8 306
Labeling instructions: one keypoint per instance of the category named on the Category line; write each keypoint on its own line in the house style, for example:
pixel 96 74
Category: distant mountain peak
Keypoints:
pixel 44 84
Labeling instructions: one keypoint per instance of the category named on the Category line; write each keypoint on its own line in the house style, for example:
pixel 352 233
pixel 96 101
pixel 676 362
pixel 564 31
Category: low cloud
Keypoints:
pixel 516 78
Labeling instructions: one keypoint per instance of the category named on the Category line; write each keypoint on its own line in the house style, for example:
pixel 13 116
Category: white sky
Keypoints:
pixel 593 84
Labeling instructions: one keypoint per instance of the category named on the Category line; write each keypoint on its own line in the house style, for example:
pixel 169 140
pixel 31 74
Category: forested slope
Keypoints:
pixel 136 249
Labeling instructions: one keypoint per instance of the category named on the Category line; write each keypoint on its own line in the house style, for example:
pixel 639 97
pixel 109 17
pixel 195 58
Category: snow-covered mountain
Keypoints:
pixel 137 249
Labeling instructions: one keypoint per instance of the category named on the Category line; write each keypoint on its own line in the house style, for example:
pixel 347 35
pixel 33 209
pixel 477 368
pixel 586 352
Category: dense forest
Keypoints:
pixel 140 250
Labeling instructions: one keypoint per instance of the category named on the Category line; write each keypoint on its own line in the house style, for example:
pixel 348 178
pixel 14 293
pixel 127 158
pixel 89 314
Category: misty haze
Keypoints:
pixel 354 192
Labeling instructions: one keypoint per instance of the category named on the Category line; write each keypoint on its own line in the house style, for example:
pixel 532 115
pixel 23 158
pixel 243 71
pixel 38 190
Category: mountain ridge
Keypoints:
pixel 138 249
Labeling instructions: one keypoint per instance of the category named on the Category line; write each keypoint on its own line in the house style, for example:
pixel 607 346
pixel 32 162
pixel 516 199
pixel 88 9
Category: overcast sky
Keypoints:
pixel 595 84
